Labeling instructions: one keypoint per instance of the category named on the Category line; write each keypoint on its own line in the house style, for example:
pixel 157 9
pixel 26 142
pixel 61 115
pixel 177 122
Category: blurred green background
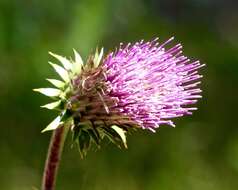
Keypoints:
pixel 201 153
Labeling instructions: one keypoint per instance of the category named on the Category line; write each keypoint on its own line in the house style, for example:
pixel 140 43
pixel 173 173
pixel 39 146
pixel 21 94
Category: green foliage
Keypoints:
pixel 86 135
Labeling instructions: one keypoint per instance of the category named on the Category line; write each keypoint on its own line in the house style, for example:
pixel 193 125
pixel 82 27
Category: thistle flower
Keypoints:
pixel 140 85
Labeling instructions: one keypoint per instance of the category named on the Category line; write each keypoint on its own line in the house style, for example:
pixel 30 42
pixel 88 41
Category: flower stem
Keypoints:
pixel 53 157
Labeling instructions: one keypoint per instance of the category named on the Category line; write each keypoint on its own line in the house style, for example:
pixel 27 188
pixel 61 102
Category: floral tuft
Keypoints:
pixel 141 85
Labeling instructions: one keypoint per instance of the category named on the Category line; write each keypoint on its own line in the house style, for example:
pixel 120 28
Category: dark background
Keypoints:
pixel 201 153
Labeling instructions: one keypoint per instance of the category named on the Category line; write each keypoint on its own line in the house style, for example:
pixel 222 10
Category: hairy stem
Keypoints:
pixel 53 158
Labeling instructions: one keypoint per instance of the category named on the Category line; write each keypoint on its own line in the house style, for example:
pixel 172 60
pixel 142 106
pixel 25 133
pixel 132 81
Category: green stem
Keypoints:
pixel 53 157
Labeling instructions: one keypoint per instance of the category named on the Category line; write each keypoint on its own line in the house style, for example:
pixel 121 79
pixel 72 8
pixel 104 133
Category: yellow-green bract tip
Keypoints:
pixel 51 92
pixel 53 125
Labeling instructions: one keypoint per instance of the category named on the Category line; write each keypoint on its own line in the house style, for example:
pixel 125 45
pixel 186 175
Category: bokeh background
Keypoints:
pixel 201 153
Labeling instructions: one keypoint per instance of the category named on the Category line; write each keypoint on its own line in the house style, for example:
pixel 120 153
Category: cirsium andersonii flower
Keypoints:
pixel 140 85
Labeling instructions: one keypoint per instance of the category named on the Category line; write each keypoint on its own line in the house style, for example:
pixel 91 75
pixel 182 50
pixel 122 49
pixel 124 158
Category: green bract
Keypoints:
pixel 84 133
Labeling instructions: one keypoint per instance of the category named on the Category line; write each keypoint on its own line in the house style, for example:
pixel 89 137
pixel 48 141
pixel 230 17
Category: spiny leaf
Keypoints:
pixel 61 71
pixel 94 136
pixel 87 141
pixel 54 124
pixel 121 133
pixel 76 131
pixel 66 115
pixel 78 63
pixel 97 58
pixel 56 83
pixel 112 135
pixel 84 142
pixel 52 105
pixel 51 92
pixel 65 62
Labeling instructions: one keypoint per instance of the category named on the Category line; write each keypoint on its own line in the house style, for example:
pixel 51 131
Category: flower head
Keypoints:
pixel 141 85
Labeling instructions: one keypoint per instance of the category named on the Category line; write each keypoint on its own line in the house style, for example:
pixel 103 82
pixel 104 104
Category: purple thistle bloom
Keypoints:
pixel 141 85
pixel 147 85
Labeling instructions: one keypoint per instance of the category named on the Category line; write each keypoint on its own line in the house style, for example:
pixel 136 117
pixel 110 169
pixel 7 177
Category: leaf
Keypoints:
pixel 112 135
pixel 94 136
pixel 96 132
pixel 78 63
pixel 53 125
pixel 61 71
pixel 121 133
pixel 97 58
pixel 52 105
pixel 66 115
pixel 56 83
pixel 65 62
pixel 76 131
pixel 87 141
pixel 51 92
pixel 84 142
